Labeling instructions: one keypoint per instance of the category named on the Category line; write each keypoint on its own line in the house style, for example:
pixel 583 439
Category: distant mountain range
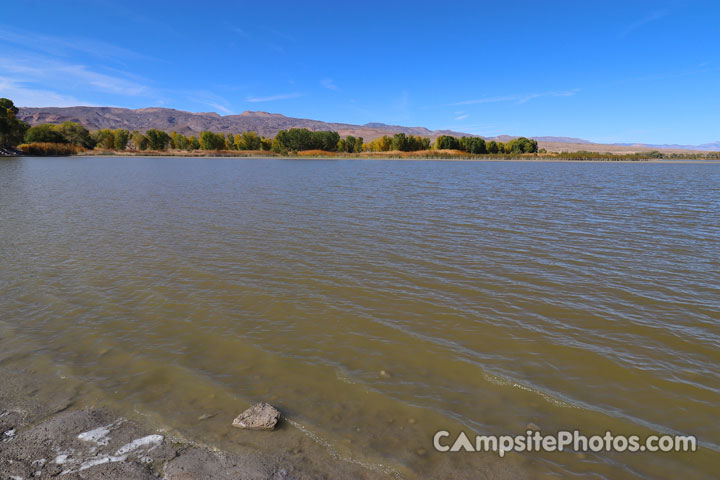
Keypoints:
pixel 188 123
pixel 268 124
pixel 713 147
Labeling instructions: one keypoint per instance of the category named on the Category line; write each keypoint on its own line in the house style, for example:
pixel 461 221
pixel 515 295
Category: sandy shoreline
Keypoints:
pixel 50 427
pixel 47 432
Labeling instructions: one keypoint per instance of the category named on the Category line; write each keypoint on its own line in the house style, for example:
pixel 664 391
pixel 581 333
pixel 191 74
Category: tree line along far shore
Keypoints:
pixel 286 141
pixel 69 138
pixel 72 137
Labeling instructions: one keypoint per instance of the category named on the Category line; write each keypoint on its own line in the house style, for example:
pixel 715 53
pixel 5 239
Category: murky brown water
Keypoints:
pixel 493 294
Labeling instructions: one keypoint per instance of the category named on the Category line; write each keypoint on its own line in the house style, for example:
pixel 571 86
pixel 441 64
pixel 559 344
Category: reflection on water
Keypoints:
pixel 377 302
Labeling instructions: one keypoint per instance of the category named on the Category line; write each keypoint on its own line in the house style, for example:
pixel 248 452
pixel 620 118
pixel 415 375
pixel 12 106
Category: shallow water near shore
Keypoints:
pixel 376 302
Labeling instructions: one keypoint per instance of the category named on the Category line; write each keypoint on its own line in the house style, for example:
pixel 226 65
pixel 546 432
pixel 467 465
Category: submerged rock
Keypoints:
pixel 533 427
pixel 261 416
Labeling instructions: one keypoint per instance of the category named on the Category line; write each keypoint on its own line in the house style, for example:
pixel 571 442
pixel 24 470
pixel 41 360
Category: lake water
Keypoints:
pixel 376 302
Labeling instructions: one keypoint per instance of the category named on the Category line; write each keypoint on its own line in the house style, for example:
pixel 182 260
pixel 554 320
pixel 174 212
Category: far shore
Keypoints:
pixel 428 155
pixel 433 155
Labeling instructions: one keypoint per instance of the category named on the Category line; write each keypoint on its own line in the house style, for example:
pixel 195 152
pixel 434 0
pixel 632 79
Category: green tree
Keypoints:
pixel 266 143
pixel 44 133
pixel 250 141
pixel 207 140
pixel 104 138
pixel 275 147
pixel 418 143
pixel 447 142
pixel 353 144
pixel 326 140
pixel 239 143
pixel 76 134
pixel 122 137
pixel 350 143
pixel 211 141
pixel 529 145
pixel 12 130
pixel 475 145
pixel 415 143
pixel 400 142
pixel 193 143
pixel 295 139
pixel 179 141
pixel 140 141
pixel 158 139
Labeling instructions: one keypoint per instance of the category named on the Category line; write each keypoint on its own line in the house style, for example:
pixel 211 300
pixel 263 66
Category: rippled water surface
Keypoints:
pixel 376 302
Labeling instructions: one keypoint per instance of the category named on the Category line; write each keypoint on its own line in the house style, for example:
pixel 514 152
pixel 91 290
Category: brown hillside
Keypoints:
pixel 188 123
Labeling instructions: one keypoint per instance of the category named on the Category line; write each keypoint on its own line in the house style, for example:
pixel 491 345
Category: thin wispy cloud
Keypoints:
pixel 64 46
pixel 517 98
pixel 283 35
pixel 32 81
pixel 643 21
pixel 462 117
pixel 204 97
pixel 43 71
pixel 221 108
pixel 329 84
pixel 273 98
pixel 25 96
pixel 240 31
pixel 483 130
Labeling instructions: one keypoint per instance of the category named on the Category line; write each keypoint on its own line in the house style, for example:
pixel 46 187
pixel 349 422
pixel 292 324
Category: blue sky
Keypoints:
pixel 607 71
